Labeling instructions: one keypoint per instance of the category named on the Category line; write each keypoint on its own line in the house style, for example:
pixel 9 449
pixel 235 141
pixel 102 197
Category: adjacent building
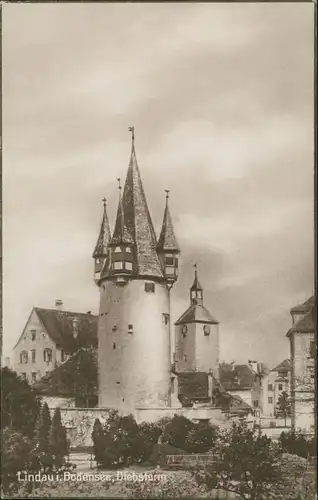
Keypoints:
pixel 275 383
pixel 49 337
pixel 303 372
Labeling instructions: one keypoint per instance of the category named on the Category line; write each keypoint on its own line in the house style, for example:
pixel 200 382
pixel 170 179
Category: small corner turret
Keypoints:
pixel 167 247
pixel 100 254
pixel 196 291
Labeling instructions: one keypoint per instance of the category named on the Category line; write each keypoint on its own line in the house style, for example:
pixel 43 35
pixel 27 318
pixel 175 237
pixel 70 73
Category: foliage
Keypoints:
pixel 246 463
pixel 176 431
pixel 283 406
pixel 58 444
pixel 20 404
pixel 298 479
pixel 192 437
pixel 42 433
pixel 98 442
pixel 297 444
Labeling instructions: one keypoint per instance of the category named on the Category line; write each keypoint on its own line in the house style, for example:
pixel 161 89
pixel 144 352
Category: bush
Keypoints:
pixel 297 444
pixel 58 445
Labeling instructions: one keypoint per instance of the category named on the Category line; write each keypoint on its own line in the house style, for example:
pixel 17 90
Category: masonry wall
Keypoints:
pixel 207 348
pixel 185 348
pixel 42 341
pixel 134 367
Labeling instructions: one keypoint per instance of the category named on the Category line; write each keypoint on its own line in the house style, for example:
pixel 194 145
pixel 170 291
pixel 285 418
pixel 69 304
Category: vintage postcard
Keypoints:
pixel 159 312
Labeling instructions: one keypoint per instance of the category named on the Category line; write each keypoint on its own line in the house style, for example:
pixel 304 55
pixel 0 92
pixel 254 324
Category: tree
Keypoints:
pixel 20 404
pixel 201 438
pixel 42 434
pixel 296 443
pixel 58 443
pixel 283 406
pixel 177 430
pixel 246 463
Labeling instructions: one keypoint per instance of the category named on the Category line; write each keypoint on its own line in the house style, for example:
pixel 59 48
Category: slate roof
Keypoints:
pixel 121 233
pixel 77 376
pixel 61 327
pixel 237 377
pixel 167 239
pixel 196 314
pixel 283 366
pixel 103 240
pixel 305 307
pixel 196 284
pixel 138 222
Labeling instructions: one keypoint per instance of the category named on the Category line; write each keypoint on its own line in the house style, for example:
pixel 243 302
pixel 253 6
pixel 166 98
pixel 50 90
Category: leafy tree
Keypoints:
pixel 176 431
pixel 296 443
pixel 42 434
pixel 246 463
pixel 201 438
pixel 283 406
pixel 58 444
pixel 20 404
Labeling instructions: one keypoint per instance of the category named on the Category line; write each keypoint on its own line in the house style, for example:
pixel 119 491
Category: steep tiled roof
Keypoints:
pixel 104 236
pixel 236 377
pixel 305 325
pixel 77 376
pixel 196 313
pixel 305 307
pixel 121 233
pixel 283 366
pixel 167 239
pixel 62 325
pixel 139 223
pixel 196 284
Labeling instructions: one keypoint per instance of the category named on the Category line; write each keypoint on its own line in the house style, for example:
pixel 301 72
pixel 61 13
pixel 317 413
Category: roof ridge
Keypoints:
pixel 64 311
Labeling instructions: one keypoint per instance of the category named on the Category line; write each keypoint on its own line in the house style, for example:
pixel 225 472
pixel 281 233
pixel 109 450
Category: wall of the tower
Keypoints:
pixel 196 351
pixel 134 345
pixel 207 347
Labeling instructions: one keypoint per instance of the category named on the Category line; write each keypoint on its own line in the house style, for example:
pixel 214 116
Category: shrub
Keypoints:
pixel 297 444
pixel 58 445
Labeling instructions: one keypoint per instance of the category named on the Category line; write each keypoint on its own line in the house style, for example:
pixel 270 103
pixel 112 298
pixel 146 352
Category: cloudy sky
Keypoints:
pixel 221 97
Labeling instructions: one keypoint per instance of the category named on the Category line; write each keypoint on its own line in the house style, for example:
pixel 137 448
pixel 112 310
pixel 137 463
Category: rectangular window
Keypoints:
pixel 255 403
pixel 33 377
pixel 130 329
pixel 128 249
pixel 63 355
pixel 47 355
pixel 33 355
pixel 117 250
pixel 150 287
pixel 33 335
pixel 169 261
pixel 165 318
pixel 270 400
pixel 118 265
pixel 280 387
pixel 185 357
pixel 24 357
pixel 270 387
pixel 128 266
pixel 169 271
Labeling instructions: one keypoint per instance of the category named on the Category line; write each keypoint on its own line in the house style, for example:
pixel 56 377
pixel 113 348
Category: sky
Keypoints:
pixel 221 98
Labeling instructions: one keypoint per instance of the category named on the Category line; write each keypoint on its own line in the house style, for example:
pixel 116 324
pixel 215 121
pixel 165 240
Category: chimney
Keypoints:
pixel 75 327
pixel 253 365
pixel 59 304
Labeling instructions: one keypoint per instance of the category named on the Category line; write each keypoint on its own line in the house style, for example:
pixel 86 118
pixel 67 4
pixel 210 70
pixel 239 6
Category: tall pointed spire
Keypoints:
pixel 121 233
pixel 167 239
pixel 104 235
pixel 138 220
pixel 196 291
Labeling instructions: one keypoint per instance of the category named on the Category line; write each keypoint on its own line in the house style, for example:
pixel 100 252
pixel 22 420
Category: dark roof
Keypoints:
pixel 237 377
pixel 69 329
pixel 305 307
pixel 193 386
pixel 104 236
pixel 283 366
pixel 306 324
pixel 167 239
pixel 196 284
pixel 196 314
pixel 77 376
pixel 121 233
pixel 138 222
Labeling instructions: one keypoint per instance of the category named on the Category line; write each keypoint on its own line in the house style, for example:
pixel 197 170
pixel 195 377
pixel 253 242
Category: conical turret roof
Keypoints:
pixel 167 239
pixel 138 220
pixel 104 236
pixel 121 233
pixel 196 283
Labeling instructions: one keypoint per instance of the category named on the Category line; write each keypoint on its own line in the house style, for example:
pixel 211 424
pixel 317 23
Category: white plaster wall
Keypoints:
pixel 55 402
pixel 207 349
pixel 42 342
pixel 185 346
pixel 138 371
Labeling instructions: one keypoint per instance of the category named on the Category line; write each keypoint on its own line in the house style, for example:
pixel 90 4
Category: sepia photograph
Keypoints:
pixel 158 250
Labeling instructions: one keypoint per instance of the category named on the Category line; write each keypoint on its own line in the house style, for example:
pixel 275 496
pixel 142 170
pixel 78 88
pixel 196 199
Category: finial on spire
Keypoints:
pixel 132 130
pixel 119 185
pixel 104 201
pixel 167 193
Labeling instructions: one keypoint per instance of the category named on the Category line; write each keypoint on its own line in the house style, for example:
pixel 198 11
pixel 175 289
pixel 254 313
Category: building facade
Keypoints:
pixel 275 383
pixel 48 339
pixel 303 371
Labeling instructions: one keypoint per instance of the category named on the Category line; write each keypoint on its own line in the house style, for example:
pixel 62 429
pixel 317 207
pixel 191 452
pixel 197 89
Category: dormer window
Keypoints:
pixel 128 266
pixel 33 335
pixel 117 250
pixel 119 265
pixel 128 249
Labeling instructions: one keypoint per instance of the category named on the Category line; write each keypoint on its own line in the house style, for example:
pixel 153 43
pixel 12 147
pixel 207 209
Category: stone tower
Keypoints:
pixel 197 336
pixel 134 319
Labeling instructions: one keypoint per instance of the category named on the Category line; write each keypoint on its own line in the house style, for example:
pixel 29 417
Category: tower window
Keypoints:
pixel 185 357
pixel 165 318
pixel 150 287
pixel 118 265
pixel 169 261
pixel 270 400
pixel 33 353
pixel 33 335
pixel 270 387
pixel 130 328
pixel 114 328
pixel 207 330
pixel 114 345
pixel 117 250
pixel 128 266
pixel 128 249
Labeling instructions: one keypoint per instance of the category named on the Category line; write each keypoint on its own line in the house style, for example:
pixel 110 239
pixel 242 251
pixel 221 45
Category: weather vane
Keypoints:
pixel 132 130
pixel 104 201
pixel 167 193
pixel 118 179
